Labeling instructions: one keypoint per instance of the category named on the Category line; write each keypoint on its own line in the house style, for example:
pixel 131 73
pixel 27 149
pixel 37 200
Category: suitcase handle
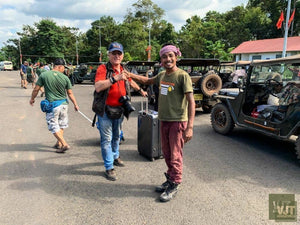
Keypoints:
pixel 142 105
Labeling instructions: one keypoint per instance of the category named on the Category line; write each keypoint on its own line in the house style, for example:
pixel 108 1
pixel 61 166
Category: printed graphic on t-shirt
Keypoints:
pixel 166 87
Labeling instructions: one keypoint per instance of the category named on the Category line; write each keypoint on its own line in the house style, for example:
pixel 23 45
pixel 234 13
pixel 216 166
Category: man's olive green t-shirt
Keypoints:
pixel 55 83
pixel 172 102
pixel 39 71
pixel 29 71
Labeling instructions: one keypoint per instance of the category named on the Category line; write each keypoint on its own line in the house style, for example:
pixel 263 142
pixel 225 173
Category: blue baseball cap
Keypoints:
pixel 115 46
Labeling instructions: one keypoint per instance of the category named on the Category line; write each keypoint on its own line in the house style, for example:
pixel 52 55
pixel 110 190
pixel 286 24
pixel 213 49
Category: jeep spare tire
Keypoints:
pixel 210 84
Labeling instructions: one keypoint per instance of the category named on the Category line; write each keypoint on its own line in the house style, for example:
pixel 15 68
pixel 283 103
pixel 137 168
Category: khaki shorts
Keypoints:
pixel 23 76
pixel 57 119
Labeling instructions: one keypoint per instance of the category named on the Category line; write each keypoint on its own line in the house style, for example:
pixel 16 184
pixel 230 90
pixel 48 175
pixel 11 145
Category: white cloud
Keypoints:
pixel 80 13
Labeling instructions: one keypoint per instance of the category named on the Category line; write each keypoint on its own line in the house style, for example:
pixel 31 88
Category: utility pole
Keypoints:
pixel 20 53
pixel 100 53
pixel 77 57
pixel 286 31
pixel 149 46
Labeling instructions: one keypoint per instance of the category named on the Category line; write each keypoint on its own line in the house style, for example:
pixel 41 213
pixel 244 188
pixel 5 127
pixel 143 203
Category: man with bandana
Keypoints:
pixel 176 112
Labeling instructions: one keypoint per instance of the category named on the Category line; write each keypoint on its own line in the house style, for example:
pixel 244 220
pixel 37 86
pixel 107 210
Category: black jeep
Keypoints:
pixel 205 78
pixel 144 68
pixel 268 102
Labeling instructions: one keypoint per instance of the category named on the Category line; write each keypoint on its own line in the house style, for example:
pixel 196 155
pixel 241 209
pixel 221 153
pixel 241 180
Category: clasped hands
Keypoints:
pixel 122 76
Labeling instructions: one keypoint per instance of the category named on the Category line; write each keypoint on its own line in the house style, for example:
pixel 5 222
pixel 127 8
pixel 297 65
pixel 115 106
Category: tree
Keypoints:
pixel 273 8
pixel 236 31
pixel 191 40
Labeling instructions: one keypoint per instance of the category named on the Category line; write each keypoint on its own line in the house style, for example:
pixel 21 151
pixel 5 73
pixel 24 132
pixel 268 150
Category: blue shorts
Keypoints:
pixel 57 119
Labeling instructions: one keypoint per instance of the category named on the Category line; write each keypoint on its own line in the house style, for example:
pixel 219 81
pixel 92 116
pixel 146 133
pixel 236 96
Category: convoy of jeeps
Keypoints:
pixel 266 101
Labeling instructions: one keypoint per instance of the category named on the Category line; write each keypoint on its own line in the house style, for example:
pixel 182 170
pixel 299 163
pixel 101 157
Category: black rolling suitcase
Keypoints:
pixel 149 144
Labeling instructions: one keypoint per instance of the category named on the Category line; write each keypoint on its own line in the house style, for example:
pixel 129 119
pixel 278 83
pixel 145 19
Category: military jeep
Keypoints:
pixel 268 102
pixel 144 68
pixel 85 71
pixel 205 78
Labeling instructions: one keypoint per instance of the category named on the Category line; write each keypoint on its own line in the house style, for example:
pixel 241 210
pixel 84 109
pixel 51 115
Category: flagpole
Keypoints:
pixel 286 31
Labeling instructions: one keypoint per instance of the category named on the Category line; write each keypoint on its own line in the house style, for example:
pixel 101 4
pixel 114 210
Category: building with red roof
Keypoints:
pixel 266 49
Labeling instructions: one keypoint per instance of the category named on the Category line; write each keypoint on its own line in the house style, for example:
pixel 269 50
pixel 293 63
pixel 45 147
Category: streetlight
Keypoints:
pixel 100 54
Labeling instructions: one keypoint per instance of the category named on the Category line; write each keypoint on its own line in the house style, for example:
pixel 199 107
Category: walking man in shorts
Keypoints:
pixel 23 74
pixel 57 87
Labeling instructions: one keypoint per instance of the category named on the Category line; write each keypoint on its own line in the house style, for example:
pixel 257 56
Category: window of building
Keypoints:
pixel 256 57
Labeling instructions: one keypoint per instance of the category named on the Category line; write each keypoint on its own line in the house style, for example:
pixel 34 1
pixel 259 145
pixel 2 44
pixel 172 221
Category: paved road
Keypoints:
pixel 227 180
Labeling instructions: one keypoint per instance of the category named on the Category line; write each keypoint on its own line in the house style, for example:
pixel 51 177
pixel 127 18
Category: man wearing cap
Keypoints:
pixel 113 88
pixel 176 112
pixel 57 86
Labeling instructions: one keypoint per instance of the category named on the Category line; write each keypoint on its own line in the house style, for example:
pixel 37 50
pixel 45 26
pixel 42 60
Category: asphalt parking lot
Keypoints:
pixel 227 179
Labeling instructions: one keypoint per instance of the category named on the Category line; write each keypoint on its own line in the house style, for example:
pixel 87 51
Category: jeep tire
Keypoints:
pixel 210 84
pixel 221 119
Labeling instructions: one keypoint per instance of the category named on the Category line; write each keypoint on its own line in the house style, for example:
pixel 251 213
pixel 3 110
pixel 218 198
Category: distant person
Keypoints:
pixel 69 72
pixel 176 111
pixel 57 88
pixel 30 75
pixel 47 67
pixel 39 71
pixel 241 73
pixel 23 74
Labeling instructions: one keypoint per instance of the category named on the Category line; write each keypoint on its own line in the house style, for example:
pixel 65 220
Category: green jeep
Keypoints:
pixel 205 78
pixel 267 102
pixel 144 68
pixel 85 71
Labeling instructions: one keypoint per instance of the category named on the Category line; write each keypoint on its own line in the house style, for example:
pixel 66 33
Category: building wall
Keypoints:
pixel 263 56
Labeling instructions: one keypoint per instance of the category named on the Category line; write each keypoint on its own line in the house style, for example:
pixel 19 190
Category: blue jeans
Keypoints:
pixel 109 139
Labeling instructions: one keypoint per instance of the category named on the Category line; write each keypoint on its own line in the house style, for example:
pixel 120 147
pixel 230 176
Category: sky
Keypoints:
pixel 80 13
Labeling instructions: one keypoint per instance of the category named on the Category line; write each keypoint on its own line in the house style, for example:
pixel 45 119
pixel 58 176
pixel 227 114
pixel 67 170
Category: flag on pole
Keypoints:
pixel 280 20
pixel 291 18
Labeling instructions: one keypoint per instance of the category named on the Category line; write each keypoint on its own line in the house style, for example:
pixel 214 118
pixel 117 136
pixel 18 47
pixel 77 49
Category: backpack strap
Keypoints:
pixel 94 120
pixel 109 72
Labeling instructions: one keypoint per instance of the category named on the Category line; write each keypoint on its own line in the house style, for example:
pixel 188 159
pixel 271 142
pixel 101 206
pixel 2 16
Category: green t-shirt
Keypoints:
pixel 55 84
pixel 172 103
pixel 39 71
pixel 29 71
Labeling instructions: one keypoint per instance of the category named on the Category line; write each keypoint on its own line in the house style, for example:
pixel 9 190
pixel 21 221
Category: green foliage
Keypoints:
pixel 212 36
pixel 191 40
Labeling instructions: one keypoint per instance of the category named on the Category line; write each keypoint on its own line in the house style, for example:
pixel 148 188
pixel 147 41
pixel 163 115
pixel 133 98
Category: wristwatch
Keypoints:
pixel 112 80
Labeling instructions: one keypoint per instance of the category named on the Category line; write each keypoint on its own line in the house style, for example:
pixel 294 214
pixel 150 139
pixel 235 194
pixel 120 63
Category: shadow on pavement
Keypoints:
pixel 63 174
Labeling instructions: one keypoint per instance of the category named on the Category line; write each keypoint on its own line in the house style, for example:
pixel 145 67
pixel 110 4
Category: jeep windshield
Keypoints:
pixel 198 66
pixel 140 67
pixel 284 71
